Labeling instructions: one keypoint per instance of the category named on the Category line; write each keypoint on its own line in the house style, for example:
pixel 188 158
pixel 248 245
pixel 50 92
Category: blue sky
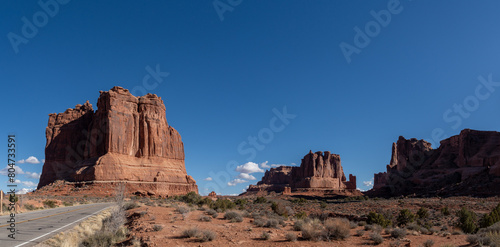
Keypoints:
pixel 233 66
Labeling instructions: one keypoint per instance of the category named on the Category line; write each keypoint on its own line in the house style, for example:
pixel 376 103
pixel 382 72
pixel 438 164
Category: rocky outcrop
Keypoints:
pixel 126 140
pixel 318 173
pixel 465 164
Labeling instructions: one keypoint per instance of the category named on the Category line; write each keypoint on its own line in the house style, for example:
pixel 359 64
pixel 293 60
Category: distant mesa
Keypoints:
pixel 127 140
pixel 466 164
pixel 212 194
pixel 318 174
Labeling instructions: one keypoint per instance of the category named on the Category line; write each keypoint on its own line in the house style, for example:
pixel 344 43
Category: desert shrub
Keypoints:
pixel 301 215
pixel 265 236
pixel 312 230
pixel 206 236
pixel 292 237
pixel 260 222
pixel 67 204
pixel 212 213
pixel 360 233
pixel 478 239
pixel 299 200
pixel 130 205
pixel 490 218
pixel 191 232
pixel 50 203
pixel 323 204
pixel 379 219
pixel 422 213
pixel 182 209
pixel 279 209
pixel 29 206
pixel 376 238
pixel 467 220
pixel 405 216
pixel 362 223
pixel 398 233
pixel 241 201
pixel 445 211
pixel 157 228
pixel 191 198
pixel 297 225
pixel 233 216
pixel 353 224
pixel 205 201
pixel 205 218
pixel 223 205
pixel 413 227
pixel 272 223
pixel 260 199
pixel 428 243
pixel 337 228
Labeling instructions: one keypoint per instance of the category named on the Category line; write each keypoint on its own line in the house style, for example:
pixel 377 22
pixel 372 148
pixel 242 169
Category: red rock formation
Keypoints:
pixel 318 173
pixel 212 194
pixel 465 164
pixel 127 140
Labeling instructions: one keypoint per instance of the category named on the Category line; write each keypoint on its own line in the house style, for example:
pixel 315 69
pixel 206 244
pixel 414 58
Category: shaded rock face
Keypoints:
pixel 465 164
pixel 317 172
pixel 127 139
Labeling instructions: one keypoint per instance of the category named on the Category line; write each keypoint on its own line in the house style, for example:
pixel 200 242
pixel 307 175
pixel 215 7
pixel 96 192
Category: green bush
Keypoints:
pixel 299 201
pixel 379 219
pixel 191 197
pixel 301 215
pixel 223 205
pixel 405 217
pixel 260 199
pixel 491 218
pixel 50 203
pixel 422 213
pixel 323 204
pixel 279 209
pixel 445 211
pixel 29 206
pixel 467 220
pixel 241 202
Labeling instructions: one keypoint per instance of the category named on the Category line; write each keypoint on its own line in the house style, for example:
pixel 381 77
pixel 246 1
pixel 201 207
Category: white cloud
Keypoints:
pixel 361 190
pixel 248 168
pixel 293 164
pixel 29 183
pixel 29 160
pixel 236 181
pixel 5 171
pixel 33 175
pixel 277 165
pixel 368 183
pixel 264 165
pixel 246 176
pixel 208 179
pixel 24 191
pixel 233 195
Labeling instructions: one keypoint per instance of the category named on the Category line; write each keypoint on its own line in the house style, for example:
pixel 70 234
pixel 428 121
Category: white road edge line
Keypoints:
pixel 60 228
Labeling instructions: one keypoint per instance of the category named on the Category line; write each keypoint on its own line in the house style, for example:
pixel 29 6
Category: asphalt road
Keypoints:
pixel 35 227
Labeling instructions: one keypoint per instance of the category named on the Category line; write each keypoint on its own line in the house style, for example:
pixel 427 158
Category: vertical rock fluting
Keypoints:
pixel 465 164
pixel 127 139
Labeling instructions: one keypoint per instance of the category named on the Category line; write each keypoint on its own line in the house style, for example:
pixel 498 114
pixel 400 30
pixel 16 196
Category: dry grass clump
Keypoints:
pixel 337 229
pixel 265 236
pixel 201 235
pixel 376 238
pixel 292 237
pixel 205 218
pixel 212 213
pixel 313 230
pixel 233 216
pixel 398 233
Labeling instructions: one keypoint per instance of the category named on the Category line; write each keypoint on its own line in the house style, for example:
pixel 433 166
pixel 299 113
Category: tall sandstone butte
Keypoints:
pixel 319 173
pixel 465 164
pixel 126 140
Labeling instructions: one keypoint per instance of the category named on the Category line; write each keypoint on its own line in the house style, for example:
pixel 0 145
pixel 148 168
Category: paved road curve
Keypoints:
pixel 37 226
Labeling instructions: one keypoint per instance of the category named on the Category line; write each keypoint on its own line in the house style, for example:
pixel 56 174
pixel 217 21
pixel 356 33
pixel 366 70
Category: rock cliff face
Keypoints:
pixel 318 173
pixel 465 164
pixel 127 140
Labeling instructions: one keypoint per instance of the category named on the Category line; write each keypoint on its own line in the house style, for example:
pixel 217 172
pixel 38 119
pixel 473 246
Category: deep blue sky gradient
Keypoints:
pixel 226 77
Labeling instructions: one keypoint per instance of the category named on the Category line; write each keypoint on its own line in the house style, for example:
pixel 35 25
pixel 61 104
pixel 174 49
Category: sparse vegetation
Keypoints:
pixel 265 236
pixel 312 230
pixel 445 211
pixel 467 220
pixel 50 203
pixel 233 216
pixel 398 233
pixel 205 218
pixel 291 237
pixel 222 205
pixel 376 238
pixel 422 213
pixel 191 232
pixel 337 229
pixel 157 228
pixel 29 206
pixel 212 213
pixel 491 218
pixel 260 199
pixel 379 219
pixel 428 243
pixel 405 216
pixel 279 209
